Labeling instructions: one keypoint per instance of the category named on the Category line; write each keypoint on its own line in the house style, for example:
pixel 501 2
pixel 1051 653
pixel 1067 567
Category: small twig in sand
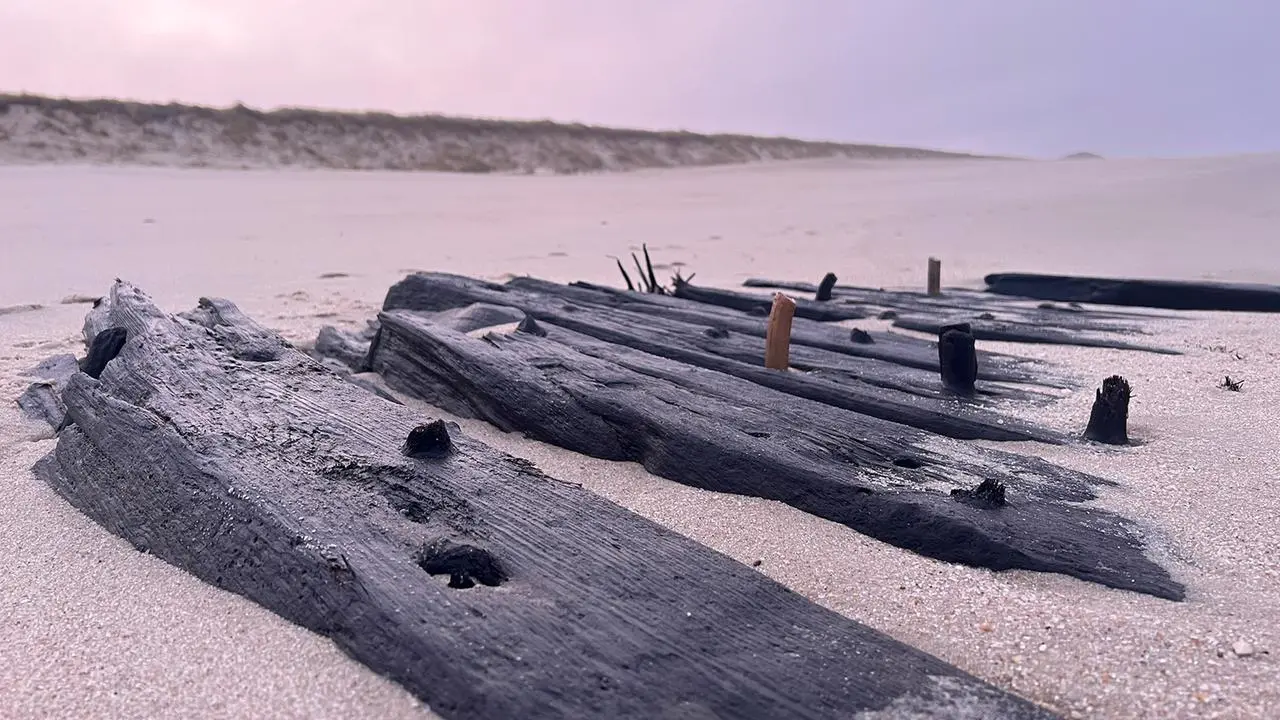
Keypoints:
pixel 1232 385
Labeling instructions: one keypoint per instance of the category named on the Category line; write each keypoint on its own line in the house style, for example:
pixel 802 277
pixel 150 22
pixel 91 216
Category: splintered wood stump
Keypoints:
pixel 824 289
pixel 935 277
pixel 957 358
pixel 1109 417
pixel 485 587
pixel 777 344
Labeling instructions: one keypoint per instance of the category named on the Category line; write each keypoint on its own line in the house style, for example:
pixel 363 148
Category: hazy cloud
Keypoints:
pixel 1020 76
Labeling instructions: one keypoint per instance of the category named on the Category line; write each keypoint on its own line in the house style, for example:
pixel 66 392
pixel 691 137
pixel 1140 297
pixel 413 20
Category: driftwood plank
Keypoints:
pixel 716 431
pixel 989 329
pixel 1168 294
pixel 890 347
pixel 853 385
pixel 1068 316
pixel 554 302
pixel 757 305
pixel 483 586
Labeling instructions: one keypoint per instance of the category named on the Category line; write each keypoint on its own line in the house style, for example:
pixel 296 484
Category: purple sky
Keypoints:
pixel 1035 77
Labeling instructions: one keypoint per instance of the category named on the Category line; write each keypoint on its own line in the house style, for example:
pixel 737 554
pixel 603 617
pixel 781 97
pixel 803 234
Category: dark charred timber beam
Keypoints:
pixel 996 331
pixel 972 304
pixel 757 305
pixel 735 354
pixel 1109 416
pixel 957 358
pixel 862 385
pixel 823 292
pixel 719 432
pixel 937 413
pixel 1168 294
pixel 485 587
pixel 440 291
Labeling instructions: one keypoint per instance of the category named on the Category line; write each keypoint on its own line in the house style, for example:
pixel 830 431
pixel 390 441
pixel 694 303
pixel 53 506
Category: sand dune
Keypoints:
pixel 96 628
pixel 44 130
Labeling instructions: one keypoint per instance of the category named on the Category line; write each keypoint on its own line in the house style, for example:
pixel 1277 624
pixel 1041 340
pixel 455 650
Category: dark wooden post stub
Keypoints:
pixel 957 357
pixel 430 440
pixel 825 287
pixel 935 277
pixel 1109 419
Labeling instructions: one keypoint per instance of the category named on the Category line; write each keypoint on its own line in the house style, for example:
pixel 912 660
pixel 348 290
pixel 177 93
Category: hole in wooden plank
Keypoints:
pixel 465 565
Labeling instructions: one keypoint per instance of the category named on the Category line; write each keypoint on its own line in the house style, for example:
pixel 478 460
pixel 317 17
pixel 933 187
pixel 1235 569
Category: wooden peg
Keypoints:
pixel 777 344
pixel 935 276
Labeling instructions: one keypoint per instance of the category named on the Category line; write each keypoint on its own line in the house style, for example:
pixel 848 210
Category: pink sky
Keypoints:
pixel 1033 76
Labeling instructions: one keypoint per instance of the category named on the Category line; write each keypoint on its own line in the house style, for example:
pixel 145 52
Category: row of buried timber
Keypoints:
pixel 491 590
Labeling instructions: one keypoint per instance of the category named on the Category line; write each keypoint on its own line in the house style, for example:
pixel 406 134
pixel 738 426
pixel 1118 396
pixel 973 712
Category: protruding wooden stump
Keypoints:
pixel 825 287
pixel 777 343
pixel 1109 419
pixel 935 276
pixel 957 358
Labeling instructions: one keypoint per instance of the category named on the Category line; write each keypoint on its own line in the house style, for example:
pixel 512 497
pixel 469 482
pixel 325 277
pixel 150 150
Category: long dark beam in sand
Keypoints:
pixel 1070 315
pixel 991 318
pixel 992 330
pixel 485 587
pixel 714 347
pixel 890 347
pixel 1167 294
pixel 715 431
pixel 439 291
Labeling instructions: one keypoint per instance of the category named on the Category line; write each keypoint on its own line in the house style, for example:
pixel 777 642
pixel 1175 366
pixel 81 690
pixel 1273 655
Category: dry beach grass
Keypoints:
pixel 97 628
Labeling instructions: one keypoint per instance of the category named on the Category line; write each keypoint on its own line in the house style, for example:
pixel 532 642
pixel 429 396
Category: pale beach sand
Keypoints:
pixel 93 628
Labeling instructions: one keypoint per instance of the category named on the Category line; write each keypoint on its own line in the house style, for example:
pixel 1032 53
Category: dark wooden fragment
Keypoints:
pixel 824 288
pixel 957 358
pixel 1167 294
pixel 865 386
pixel 1068 317
pixel 42 400
pixel 348 349
pixel 757 305
pixel 894 348
pixel 996 318
pixel 104 348
pixel 715 431
pixel 552 302
pixel 986 327
pixel 1109 416
pixel 989 494
pixel 483 586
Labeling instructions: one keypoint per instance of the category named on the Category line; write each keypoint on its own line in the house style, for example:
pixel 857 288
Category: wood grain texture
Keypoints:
pixel 212 444
pixel 712 430
pixel 865 385
pixel 777 338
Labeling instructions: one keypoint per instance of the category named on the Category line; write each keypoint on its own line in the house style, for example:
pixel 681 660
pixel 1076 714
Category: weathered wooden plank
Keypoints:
pixel 971 304
pixel 715 431
pixel 757 305
pixel 725 351
pixel 992 330
pixel 441 291
pixel 1168 294
pixel 894 348
pixel 483 586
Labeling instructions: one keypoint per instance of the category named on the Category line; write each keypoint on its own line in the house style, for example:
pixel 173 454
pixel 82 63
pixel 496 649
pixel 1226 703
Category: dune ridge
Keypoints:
pixel 39 130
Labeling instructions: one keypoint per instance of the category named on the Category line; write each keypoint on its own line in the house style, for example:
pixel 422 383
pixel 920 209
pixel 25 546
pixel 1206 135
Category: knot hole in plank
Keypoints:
pixel 465 565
